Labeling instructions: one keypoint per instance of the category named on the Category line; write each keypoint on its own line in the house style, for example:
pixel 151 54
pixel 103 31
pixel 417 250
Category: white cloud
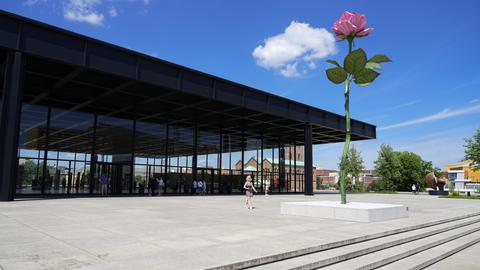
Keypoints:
pixel 83 11
pixel 299 45
pixel 145 2
pixel 444 114
pixel 93 12
pixel 475 100
pixel 410 103
pixel 33 2
pixel 452 149
pixel 467 84
pixel 112 11
pixel 290 70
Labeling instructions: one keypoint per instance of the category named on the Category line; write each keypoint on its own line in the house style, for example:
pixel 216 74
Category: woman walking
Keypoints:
pixel 249 189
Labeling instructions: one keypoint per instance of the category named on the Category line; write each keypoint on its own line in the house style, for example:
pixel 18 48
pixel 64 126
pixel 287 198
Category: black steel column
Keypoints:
pixel 45 151
pixel 295 167
pixel 281 167
pixel 289 186
pixel 93 156
pixel 167 163
pixel 132 163
pixel 308 160
pixel 261 167
pixel 242 173
pixel 69 177
pixel 195 152
pixel 230 163
pixel 10 124
pixel 272 178
pixel 219 162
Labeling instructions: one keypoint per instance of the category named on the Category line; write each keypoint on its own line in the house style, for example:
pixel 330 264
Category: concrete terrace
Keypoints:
pixel 188 232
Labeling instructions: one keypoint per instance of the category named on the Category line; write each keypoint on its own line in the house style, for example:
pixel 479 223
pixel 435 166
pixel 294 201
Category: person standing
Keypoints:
pixel 151 186
pixel 194 186
pixel 104 184
pixel 204 191
pixel 267 186
pixel 162 186
pixel 249 189
pixel 77 183
pixel 200 187
pixel 156 186
pixel 414 189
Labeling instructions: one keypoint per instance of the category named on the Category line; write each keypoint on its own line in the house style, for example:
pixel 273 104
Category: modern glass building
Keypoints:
pixel 74 108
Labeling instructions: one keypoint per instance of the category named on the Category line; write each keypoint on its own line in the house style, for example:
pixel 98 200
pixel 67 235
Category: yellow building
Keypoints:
pixel 466 168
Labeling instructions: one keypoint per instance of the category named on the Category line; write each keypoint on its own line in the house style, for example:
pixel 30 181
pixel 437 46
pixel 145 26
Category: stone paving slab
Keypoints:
pixel 467 259
pixel 183 232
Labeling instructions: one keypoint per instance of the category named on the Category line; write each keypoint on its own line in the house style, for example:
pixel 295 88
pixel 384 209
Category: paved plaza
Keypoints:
pixel 189 232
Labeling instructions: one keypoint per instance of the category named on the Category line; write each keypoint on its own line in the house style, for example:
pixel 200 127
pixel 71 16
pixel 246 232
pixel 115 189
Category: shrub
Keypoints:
pixel 359 187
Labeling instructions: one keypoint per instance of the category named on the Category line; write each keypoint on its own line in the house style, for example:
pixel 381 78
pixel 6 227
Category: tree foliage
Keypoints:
pixel 388 167
pixel 472 149
pixel 399 170
pixel 353 166
pixel 28 171
pixel 413 170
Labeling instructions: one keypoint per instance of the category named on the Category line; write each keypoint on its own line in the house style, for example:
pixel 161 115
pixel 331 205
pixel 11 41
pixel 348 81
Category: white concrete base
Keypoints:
pixel 352 211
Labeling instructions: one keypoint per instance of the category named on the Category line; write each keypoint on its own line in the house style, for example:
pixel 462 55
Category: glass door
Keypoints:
pixel 117 177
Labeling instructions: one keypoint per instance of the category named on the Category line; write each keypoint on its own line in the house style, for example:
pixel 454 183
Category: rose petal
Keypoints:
pixel 345 28
pixel 359 21
pixel 364 32
pixel 346 16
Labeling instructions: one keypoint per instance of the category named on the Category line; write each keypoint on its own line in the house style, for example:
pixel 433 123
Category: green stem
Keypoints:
pixel 346 145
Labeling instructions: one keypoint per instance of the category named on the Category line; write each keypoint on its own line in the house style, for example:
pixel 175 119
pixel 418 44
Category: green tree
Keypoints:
pixel 400 170
pixel 138 179
pixel 28 171
pixel 388 166
pixel 412 170
pixel 353 166
pixel 437 171
pixel 472 149
pixel 427 167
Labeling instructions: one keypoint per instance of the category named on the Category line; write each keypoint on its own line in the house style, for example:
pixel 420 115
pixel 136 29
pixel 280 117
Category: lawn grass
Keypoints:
pixel 384 192
pixel 461 197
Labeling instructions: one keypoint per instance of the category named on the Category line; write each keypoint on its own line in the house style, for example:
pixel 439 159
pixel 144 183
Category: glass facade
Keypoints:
pixel 65 151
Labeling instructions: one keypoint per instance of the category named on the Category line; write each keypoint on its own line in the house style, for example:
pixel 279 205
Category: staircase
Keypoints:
pixel 415 247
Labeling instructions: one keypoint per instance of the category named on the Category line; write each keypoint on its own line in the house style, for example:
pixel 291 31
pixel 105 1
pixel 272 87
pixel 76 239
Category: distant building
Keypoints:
pixel 463 177
pixel 368 177
pixel 293 170
pixel 326 176
pixel 331 177
pixel 465 166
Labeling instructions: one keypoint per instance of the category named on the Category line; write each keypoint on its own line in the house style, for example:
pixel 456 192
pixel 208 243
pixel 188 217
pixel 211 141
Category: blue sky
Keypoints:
pixel 426 101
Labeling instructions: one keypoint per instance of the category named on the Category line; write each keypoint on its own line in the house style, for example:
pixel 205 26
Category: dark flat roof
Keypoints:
pixel 86 74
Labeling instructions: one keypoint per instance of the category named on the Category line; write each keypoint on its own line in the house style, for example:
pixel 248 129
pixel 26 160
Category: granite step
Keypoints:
pixel 348 253
pixel 342 250
pixel 390 256
pixel 425 259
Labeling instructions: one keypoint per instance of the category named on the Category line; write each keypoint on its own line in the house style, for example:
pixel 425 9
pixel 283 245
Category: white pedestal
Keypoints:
pixel 352 211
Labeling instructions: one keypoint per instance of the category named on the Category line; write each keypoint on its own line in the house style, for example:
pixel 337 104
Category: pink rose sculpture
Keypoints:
pixel 351 25
pixel 358 69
